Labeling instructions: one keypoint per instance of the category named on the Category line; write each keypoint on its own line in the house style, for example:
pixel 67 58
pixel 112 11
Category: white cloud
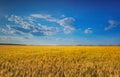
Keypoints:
pixel 12 30
pixel 46 30
pixel 66 23
pixel 112 24
pixel 88 31
pixel 12 38
pixel 30 19
pixel 8 26
pixel 5 31
pixel 29 25
pixel 20 21
pixel 45 16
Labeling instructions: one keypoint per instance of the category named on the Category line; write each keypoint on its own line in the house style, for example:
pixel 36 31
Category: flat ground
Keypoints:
pixel 59 61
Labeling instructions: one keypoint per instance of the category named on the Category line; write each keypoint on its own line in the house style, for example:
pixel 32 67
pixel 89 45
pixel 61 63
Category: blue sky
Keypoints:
pixel 60 22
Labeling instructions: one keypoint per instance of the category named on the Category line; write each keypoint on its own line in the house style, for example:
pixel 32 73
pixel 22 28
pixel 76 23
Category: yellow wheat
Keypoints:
pixel 59 61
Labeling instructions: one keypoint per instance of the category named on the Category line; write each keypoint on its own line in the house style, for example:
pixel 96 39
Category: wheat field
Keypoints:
pixel 59 61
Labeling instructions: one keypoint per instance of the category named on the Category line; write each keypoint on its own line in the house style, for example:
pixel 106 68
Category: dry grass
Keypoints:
pixel 59 61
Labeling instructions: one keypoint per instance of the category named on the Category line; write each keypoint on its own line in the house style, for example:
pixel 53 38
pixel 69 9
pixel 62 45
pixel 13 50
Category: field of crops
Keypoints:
pixel 59 61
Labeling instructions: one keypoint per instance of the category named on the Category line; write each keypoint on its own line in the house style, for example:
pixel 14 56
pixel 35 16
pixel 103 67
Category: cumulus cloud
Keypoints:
pixel 112 24
pixel 88 31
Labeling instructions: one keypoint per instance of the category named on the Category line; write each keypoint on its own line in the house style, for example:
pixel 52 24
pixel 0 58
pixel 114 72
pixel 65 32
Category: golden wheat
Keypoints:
pixel 59 61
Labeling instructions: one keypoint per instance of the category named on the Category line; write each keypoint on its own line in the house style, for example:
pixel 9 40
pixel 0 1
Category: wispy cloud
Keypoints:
pixel 45 30
pixel 112 24
pixel 22 25
pixel 88 31
pixel 12 38
pixel 45 16
pixel 30 25
pixel 66 23
pixel 6 31
pixel 18 20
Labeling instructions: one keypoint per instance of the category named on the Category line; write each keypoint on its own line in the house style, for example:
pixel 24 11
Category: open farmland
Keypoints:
pixel 59 61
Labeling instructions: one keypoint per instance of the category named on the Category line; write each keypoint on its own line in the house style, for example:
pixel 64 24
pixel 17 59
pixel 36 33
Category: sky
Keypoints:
pixel 60 22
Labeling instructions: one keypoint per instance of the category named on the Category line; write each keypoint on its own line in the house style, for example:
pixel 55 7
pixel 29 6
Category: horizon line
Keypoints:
pixel 52 44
